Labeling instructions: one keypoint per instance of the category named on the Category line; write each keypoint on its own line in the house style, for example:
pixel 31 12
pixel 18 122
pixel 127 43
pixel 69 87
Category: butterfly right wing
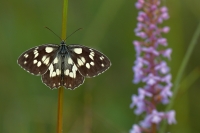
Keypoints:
pixel 37 60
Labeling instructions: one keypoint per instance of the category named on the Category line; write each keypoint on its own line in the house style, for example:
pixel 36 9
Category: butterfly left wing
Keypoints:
pixel 37 60
pixel 89 61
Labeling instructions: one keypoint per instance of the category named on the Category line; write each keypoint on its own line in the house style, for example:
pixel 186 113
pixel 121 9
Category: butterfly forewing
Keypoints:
pixel 37 60
pixel 89 61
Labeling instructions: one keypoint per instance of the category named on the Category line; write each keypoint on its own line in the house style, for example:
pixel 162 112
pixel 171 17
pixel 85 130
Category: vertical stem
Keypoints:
pixel 181 71
pixel 153 128
pixel 87 111
pixel 64 20
pixel 61 89
pixel 60 110
pixel 183 66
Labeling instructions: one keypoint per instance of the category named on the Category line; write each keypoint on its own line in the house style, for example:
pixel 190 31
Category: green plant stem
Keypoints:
pixel 64 20
pixel 61 89
pixel 60 110
pixel 181 71
pixel 183 66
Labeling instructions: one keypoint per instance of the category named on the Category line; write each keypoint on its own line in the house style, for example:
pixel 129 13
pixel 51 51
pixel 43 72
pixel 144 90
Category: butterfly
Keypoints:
pixel 63 65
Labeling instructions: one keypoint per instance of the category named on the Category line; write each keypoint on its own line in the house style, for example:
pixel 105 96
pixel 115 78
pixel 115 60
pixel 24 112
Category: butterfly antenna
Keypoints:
pixel 53 32
pixel 73 33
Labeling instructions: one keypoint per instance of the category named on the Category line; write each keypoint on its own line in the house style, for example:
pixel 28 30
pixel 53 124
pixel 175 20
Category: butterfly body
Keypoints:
pixel 63 65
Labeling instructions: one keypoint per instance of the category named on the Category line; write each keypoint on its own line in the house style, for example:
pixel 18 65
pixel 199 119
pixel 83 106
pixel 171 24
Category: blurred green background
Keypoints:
pixel 101 104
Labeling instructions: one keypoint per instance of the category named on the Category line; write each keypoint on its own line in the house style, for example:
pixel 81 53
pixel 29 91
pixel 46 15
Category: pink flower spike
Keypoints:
pixel 165 16
pixel 171 117
pixel 162 67
pixel 151 79
pixel 165 29
pixel 156 116
pixel 138 5
pixel 141 34
pixel 141 1
pixel 135 129
pixel 150 68
pixel 167 53
pixel 164 9
pixel 162 41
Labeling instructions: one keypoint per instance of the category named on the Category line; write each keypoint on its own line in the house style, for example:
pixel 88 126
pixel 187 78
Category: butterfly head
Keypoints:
pixel 63 42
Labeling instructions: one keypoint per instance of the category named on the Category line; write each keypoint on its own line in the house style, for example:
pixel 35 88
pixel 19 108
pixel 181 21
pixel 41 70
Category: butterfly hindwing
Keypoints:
pixel 53 76
pixel 89 61
pixel 72 77
pixel 62 72
pixel 37 60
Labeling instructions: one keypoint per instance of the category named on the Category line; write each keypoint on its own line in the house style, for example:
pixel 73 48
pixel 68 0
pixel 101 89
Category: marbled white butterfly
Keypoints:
pixel 64 65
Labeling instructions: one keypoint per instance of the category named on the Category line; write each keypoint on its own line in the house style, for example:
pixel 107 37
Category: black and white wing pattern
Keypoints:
pixel 64 65
pixel 89 61
pixel 37 60
pixel 62 72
